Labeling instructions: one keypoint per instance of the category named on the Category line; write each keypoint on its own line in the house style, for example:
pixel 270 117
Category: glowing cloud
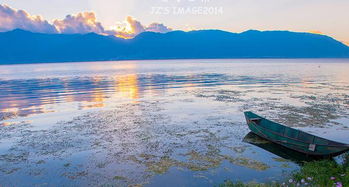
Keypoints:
pixel 81 23
pixel 136 26
pixel 18 19
pixel 84 22
pixel 316 32
pixel 131 27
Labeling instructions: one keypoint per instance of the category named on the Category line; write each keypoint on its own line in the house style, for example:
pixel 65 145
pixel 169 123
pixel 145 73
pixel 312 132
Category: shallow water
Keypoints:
pixel 151 123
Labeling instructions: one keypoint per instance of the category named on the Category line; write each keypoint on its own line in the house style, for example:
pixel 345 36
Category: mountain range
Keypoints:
pixel 19 46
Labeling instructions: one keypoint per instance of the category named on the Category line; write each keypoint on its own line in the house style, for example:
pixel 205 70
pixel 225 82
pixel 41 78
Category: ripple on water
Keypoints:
pixel 138 124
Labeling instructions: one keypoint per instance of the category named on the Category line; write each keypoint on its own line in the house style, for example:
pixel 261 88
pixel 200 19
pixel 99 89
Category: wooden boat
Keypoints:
pixel 294 139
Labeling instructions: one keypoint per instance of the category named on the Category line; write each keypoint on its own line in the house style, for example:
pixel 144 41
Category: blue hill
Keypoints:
pixel 19 46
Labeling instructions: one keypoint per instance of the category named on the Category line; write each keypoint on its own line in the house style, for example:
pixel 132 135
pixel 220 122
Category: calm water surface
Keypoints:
pixel 173 123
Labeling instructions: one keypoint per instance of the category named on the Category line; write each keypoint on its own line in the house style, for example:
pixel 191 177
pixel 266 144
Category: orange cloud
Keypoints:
pixel 131 28
pixel 316 32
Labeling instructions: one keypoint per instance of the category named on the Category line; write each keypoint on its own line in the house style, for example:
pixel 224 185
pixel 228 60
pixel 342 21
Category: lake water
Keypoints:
pixel 173 123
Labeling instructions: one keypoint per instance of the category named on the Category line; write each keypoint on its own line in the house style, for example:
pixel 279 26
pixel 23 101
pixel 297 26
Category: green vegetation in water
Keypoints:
pixel 316 173
pixel 120 178
pixel 196 161
pixel 251 184
pixel 285 165
pixel 325 173
pixel 281 160
pixel 161 166
pixel 249 163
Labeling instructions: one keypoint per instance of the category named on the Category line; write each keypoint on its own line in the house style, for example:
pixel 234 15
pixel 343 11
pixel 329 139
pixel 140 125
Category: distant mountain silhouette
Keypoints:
pixel 19 46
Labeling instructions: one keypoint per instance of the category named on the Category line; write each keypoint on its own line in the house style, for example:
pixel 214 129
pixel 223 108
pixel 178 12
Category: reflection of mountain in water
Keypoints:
pixel 278 150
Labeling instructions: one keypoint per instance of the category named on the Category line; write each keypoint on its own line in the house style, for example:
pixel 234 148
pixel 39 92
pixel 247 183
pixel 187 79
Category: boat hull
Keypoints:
pixel 279 150
pixel 292 138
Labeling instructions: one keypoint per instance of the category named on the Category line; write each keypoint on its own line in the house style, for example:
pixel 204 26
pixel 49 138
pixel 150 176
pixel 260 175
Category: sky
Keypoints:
pixel 130 17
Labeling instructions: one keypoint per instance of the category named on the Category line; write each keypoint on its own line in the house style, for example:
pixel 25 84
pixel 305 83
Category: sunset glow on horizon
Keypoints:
pixel 126 19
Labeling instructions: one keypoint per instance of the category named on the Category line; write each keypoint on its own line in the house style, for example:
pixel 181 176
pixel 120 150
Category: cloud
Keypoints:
pixel 131 28
pixel 18 19
pixel 136 26
pixel 81 23
pixel 316 32
pixel 158 27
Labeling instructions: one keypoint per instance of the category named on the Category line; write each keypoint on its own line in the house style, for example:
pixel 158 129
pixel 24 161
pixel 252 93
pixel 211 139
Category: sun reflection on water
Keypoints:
pixel 127 86
pixel 45 96
pixel 79 86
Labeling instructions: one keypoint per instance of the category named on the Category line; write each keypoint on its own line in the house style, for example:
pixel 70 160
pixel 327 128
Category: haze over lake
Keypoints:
pixel 153 122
